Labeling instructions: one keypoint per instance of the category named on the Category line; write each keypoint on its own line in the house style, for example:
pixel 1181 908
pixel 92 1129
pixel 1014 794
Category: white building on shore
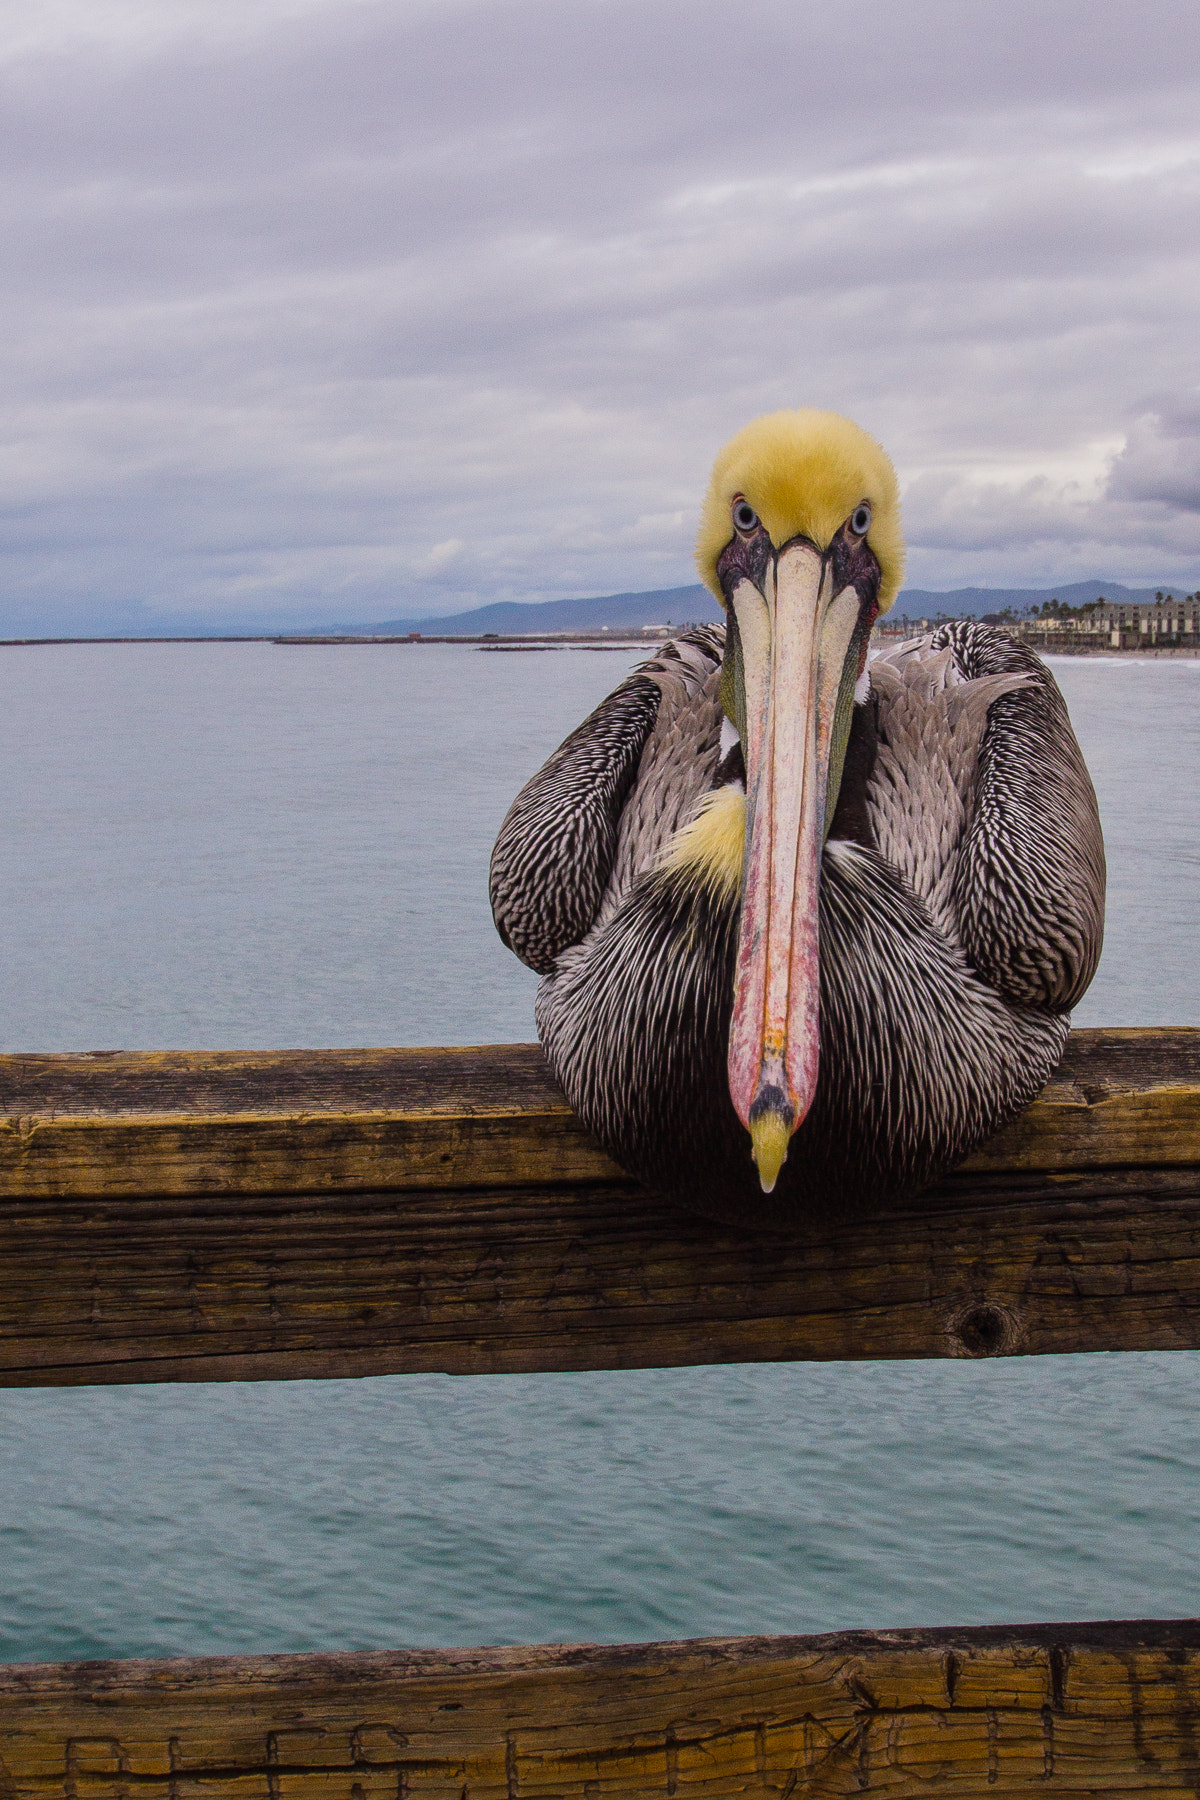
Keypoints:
pixel 1165 622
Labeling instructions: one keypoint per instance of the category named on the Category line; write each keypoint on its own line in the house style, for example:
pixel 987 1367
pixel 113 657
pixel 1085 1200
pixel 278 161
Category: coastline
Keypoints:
pixel 579 640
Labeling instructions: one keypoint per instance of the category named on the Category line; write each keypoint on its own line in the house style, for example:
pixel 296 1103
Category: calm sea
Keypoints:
pixel 250 845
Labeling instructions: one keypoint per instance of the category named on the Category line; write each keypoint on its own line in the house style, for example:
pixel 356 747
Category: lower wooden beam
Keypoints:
pixel 586 1277
pixel 1065 1710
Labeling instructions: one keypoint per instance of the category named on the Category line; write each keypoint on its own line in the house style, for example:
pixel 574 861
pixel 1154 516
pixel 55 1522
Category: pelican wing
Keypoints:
pixel 1031 878
pixel 982 799
pixel 583 827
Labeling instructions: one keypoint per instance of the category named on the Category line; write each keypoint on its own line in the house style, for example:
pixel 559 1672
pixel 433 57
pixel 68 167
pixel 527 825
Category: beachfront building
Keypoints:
pixel 1165 622
pixel 1132 625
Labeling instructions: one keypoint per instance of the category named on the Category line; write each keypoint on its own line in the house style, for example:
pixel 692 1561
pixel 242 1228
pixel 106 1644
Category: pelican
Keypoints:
pixel 810 929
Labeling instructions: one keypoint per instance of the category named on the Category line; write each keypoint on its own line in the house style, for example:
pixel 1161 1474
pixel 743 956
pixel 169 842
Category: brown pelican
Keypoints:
pixel 792 911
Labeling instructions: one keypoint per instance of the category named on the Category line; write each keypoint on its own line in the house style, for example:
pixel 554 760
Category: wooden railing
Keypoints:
pixel 239 1216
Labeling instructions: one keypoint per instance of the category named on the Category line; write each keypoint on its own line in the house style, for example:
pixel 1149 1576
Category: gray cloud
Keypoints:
pixel 1160 462
pixel 332 311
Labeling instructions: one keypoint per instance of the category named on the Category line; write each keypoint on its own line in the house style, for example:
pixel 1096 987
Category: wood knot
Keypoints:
pixel 984 1329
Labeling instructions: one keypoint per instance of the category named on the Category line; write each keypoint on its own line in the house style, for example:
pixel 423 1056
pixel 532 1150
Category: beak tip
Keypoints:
pixel 770 1135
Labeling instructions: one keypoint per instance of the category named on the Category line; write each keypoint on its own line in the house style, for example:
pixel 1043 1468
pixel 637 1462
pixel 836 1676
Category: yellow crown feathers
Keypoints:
pixel 804 473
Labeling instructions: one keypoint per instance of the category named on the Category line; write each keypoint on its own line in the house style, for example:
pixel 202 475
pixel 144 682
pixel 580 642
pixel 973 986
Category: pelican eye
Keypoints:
pixel 860 520
pixel 744 516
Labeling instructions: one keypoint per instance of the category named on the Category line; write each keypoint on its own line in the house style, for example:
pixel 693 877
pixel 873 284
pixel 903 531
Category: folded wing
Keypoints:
pixel 606 803
pixel 981 798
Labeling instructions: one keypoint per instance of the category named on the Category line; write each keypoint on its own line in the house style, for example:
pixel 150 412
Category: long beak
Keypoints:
pixel 795 637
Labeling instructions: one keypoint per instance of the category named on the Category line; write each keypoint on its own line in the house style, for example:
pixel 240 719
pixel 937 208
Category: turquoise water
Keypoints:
pixel 247 845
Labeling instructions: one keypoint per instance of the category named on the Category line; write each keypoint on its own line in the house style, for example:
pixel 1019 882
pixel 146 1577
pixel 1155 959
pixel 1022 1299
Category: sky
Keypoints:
pixel 323 311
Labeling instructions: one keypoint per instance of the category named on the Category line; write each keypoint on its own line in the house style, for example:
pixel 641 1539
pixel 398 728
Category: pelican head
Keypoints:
pixel 800 541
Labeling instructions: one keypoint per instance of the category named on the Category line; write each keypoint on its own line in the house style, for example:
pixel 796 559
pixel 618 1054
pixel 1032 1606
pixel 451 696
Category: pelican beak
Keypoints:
pixel 796 637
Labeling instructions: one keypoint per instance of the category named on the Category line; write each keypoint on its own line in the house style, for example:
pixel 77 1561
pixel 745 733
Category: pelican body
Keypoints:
pixel 810 931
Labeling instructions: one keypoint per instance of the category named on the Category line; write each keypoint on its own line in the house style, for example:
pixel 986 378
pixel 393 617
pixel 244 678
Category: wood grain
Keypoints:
pixel 195 1217
pixel 1128 1099
pixel 1016 1254
pixel 1061 1710
pixel 266 1121
pixel 598 1277
pixel 259 1122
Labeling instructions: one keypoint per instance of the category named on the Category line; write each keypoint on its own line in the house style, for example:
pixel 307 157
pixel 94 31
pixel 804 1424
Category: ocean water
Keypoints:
pixel 251 845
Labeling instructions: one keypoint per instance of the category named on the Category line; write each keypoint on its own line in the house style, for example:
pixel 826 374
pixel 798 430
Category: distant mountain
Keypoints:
pixel 680 605
pixel 624 611
pixel 658 606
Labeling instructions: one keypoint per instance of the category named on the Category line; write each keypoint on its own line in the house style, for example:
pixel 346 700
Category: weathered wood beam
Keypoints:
pixel 1060 1710
pixel 271 1121
pixel 201 1218
pixel 329 1121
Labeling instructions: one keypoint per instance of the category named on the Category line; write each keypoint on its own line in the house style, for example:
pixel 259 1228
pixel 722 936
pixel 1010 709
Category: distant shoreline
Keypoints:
pixel 29 643
pixel 489 640
pixel 579 640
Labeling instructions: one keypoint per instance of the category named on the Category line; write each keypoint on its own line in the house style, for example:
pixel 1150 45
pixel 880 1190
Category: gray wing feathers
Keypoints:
pixel 1031 882
pixel 931 722
pixel 552 858
pixel 676 770
pixel 1011 841
pixel 586 825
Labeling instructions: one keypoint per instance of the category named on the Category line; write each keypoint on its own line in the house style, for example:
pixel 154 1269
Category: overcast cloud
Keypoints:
pixel 336 311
